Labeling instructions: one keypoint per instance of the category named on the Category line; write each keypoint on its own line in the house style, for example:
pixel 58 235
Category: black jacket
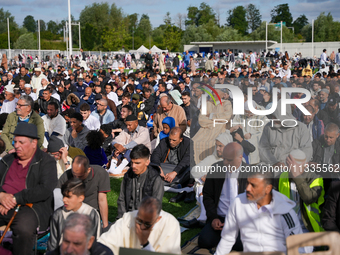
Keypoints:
pixel 41 180
pixel 17 79
pixel 213 188
pixel 149 188
pixel 43 104
pixel 319 149
pixel 183 153
pixel 176 61
pixel 331 211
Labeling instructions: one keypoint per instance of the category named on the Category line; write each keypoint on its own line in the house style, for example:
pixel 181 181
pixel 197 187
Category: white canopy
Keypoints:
pixel 155 49
pixel 143 49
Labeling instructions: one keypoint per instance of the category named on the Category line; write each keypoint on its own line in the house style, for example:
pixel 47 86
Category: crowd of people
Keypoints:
pixel 66 131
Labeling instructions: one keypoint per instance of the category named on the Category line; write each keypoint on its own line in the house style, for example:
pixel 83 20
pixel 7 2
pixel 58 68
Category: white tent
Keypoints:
pixel 142 49
pixel 155 49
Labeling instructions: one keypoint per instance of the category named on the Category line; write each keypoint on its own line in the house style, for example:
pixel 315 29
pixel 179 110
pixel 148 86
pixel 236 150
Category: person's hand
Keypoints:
pixel 3 210
pixel 7 200
pixel 85 98
pixel 296 168
pixel 234 128
pixel 63 151
pixel 217 224
pixel 11 151
pixel 247 136
pixel 44 149
pixel 142 234
pixel 119 147
pixel 238 137
pixel 189 123
pixel 170 176
pixel 203 178
pixel 162 173
pixel 157 93
pixel 74 133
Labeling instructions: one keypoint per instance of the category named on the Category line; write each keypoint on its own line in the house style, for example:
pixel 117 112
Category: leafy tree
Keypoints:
pixel 167 19
pixel 230 34
pixel 325 29
pixel 206 13
pixel 192 16
pixel 280 13
pixel 237 19
pixel 114 39
pixel 195 34
pixel 42 26
pixel 3 21
pixel 144 28
pixel 132 22
pixel 299 23
pixel 88 37
pixel 26 41
pixel 212 28
pixel 53 27
pixel 30 24
pixel 253 17
pixel 274 34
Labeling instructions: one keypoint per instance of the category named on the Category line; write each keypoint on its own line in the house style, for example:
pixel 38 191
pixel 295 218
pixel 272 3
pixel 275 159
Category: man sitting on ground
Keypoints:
pixel 259 209
pixel 97 184
pixel 24 113
pixel 141 180
pixel 103 114
pixel 25 180
pixel 54 123
pixel 149 228
pixel 76 135
pixel 173 156
pixel 91 122
pixel 130 137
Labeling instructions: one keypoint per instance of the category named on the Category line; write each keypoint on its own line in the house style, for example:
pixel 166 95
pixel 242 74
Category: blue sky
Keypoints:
pixel 156 9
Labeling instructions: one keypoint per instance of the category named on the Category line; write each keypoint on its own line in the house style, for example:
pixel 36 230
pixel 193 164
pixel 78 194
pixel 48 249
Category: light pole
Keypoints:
pixel 312 39
pixel 39 39
pixel 9 41
pixel 133 38
pixel 69 27
pixel 281 36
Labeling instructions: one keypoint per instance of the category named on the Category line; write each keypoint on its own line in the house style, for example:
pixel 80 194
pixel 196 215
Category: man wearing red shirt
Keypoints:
pixel 27 176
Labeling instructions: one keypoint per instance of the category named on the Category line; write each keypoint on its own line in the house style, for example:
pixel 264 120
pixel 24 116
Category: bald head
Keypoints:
pixel 88 91
pixel 165 103
pixel 232 154
pixel 175 137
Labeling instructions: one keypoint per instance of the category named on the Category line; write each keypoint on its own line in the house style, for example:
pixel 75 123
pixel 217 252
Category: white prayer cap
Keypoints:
pixel 9 88
pixel 131 71
pixel 27 85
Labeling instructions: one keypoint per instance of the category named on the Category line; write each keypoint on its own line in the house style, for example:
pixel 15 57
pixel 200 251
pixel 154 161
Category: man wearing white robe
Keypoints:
pixel 149 228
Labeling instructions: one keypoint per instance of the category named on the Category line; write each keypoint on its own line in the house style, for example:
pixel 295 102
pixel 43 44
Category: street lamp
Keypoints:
pixel 69 27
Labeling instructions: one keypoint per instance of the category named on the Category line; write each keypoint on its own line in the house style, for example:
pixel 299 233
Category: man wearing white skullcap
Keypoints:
pixel 28 91
pixel 10 102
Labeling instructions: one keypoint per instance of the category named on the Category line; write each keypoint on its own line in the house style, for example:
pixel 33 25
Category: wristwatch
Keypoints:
pixel 146 244
pixel 67 163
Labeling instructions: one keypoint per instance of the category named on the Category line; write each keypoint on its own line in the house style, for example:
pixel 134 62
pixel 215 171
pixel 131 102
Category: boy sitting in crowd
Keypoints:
pixel 73 196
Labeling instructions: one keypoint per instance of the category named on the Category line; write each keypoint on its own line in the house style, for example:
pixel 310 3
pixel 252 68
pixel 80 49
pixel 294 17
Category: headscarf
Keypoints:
pixel 170 121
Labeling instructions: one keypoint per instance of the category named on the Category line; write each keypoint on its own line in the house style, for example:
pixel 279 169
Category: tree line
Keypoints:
pixel 106 27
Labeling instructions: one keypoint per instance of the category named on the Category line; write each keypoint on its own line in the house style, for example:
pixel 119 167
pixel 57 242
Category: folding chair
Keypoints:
pixel 330 239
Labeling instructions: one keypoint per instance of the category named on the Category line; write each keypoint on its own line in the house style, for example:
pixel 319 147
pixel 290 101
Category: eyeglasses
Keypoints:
pixel 100 104
pixel 22 105
pixel 147 225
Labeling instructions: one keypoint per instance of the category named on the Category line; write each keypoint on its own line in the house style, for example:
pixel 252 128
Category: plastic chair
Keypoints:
pixel 330 239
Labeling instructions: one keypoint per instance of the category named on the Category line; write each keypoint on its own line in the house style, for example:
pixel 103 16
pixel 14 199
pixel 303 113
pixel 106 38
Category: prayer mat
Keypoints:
pixel 191 247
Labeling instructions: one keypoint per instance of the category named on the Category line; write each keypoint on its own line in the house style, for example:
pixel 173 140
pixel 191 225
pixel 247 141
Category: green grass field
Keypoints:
pixel 176 209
